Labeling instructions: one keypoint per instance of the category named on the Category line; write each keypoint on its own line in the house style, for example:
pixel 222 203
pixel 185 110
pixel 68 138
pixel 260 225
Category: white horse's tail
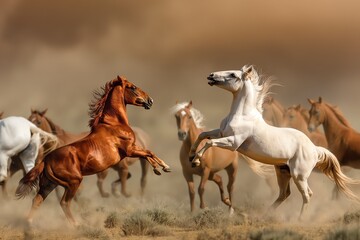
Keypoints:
pixel 260 169
pixel 328 164
pixel 49 139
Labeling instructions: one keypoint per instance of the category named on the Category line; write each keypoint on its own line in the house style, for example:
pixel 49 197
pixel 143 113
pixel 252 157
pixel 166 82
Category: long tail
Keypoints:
pixel 328 164
pixel 51 141
pixel 260 169
pixel 30 181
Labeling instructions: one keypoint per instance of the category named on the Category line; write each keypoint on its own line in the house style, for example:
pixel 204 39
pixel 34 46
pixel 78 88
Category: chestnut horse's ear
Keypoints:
pixel 1 113
pixel 32 110
pixel 120 80
pixel 320 99
pixel 311 101
pixel 43 112
pixel 189 104
pixel 298 107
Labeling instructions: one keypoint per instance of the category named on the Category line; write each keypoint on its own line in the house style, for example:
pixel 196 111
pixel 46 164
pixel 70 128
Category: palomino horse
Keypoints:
pixel 298 118
pixel 343 140
pixel 244 130
pixel 122 168
pixel 18 136
pixel 110 140
pixel 190 125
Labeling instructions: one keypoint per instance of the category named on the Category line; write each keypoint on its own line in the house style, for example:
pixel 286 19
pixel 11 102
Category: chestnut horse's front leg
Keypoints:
pixel 137 152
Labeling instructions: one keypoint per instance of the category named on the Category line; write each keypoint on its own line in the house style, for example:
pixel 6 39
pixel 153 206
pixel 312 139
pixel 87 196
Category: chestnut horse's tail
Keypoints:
pixel 29 181
pixel 51 141
pixel 329 164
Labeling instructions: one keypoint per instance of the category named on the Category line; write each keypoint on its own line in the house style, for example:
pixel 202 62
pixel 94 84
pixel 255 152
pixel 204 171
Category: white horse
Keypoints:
pixel 245 131
pixel 20 136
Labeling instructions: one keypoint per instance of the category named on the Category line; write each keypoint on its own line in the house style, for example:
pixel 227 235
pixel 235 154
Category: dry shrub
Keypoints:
pixel 140 223
pixel 344 234
pixel 161 216
pixel 352 217
pixel 112 220
pixel 94 233
pixel 272 234
pixel 210 218
pixel 225 234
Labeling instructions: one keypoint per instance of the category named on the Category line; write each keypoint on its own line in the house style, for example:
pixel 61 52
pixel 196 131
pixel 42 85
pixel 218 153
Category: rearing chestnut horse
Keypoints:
pixel 110 140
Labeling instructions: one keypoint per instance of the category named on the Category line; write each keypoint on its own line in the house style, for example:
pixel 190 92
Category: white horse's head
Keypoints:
pixel 232 80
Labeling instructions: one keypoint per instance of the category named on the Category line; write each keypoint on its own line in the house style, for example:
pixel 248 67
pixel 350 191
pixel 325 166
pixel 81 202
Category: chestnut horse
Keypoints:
pixel 298 118
pixel 342 139
pixel 110 140
pixel 273 111
pixel 43 122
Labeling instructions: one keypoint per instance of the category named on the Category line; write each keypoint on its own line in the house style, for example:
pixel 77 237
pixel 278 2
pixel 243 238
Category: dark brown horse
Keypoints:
pixel 45 123
pixel 110 140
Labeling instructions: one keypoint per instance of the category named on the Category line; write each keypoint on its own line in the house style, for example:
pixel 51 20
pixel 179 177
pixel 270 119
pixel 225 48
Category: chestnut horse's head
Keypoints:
pixel 132 94
pixel 39 119
pixel 317 114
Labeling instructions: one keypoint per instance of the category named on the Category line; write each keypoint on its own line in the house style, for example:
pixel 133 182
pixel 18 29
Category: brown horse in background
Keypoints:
pixel 110 140
pixel 342 139
pixel 122 168
pixel 298 118
pixel 273 111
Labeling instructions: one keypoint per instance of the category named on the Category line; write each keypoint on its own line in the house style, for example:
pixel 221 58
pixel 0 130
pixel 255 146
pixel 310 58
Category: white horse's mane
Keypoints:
pixel 262 87
pixel 196 114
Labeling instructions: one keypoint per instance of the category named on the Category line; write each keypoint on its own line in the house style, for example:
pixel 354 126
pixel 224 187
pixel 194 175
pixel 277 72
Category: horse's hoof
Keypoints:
pixel 167 169
pixel 227 201
pixel 127 195
pixel 195 164
pixel 105 195
pixel 157 172
pixel 191 158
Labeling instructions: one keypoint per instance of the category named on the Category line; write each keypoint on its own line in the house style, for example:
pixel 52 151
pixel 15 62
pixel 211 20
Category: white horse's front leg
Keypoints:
pixel 230 143
pixel 204 135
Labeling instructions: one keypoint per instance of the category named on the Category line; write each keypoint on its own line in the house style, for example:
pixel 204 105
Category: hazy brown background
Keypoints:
pixel 53 54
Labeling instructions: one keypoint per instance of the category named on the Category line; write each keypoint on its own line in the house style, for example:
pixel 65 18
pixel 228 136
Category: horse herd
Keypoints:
pixel 257 128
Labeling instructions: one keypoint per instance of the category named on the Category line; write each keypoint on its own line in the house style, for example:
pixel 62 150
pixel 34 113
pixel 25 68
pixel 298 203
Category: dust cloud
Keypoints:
pixel 53 54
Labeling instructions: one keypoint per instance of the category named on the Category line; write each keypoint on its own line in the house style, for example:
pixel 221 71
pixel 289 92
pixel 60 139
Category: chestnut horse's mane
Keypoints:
pixel 96 107
pixel 338 115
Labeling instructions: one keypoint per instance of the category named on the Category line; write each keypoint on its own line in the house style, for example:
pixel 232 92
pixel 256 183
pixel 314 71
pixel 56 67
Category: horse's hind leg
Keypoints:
pixel 100 179
pixel 29 154
pixel 69 194
pixel 144 170
pixel 302 185
pixel 45 187
pixel 218 180
pixel 231 171
pixel 283 179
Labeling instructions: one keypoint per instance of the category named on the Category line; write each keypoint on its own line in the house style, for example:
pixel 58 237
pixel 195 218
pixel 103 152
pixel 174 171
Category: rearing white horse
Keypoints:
pixel 20 136
pixel 245 131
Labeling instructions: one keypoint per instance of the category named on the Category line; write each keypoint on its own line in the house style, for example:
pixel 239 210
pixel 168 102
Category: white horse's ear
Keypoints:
pixel 320 99
pixel 247 71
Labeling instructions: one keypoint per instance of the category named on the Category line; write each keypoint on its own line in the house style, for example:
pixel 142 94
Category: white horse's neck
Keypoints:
pixel 244 100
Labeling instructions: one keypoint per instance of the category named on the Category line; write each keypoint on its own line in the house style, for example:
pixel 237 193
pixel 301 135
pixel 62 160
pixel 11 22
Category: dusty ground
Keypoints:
pixel 163 213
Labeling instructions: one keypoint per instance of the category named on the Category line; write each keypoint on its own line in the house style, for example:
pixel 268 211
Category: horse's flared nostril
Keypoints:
pixel 150 101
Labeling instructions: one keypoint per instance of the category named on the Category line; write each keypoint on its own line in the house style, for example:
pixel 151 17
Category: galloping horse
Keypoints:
pixel 244 130
pixel 343 140
pixel 65 137
pixel 110 140
pixel 18 136
pixel 298 118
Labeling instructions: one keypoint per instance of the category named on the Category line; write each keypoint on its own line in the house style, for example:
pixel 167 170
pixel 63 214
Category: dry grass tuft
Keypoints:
pixel 272 234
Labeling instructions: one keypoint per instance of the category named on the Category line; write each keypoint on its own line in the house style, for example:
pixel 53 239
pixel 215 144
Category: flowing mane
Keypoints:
pixel 262 87
pixel 96 107
pixel 338 115
pixel 196 114
pixel 54 128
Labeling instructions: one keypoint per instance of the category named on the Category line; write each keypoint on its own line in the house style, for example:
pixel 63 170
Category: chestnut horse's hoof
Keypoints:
pixel 196 163
pixel 191 158
pixel 157 172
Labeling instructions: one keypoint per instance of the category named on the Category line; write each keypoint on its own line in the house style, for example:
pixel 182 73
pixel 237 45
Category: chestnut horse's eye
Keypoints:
pixel 133 87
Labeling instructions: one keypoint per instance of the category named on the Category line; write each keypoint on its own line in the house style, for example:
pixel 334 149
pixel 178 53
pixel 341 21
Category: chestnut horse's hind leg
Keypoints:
pixel 45 187
pixel 101 177
pixel 69 194
pixel 218 180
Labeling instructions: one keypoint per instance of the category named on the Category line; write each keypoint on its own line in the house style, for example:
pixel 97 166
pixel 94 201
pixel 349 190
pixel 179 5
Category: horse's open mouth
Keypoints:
pixel 211 81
